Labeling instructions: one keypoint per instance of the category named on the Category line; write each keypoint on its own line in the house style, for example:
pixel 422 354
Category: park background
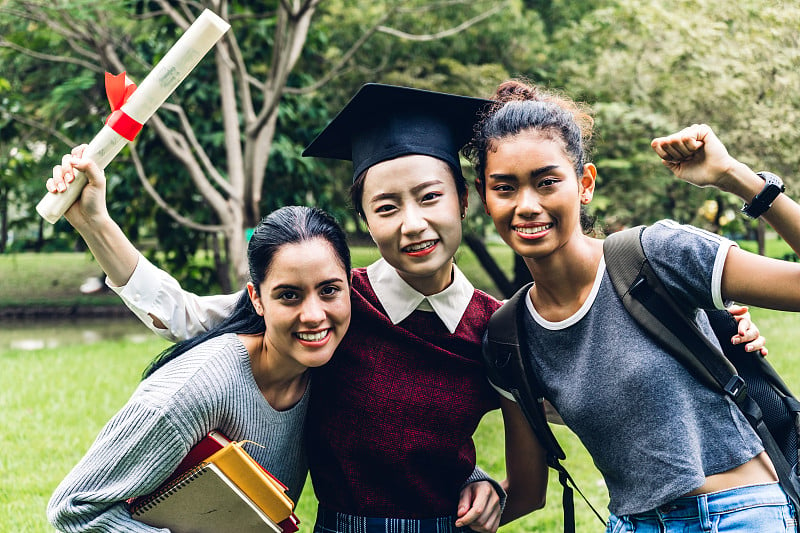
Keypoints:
pixel 225 149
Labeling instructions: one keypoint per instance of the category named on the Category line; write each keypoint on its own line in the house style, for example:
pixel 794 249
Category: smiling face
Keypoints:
pixel 305 301
pixel 532 193
pixel 413 211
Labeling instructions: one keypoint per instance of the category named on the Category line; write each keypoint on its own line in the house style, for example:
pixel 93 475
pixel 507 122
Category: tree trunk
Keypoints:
pixel 3 223
pixel 761 237
pixel 236 249
pixel 521 273
pixel 221 266
pixel 504 285
pixel 40 236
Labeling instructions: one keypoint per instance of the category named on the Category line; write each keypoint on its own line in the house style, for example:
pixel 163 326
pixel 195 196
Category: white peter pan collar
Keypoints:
pixel 400 299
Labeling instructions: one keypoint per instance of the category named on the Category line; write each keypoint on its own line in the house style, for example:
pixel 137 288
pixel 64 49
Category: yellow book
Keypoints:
pixel 267 493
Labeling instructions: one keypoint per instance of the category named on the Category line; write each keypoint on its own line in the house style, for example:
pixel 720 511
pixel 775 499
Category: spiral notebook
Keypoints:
pixel 204 500
pixel 229 483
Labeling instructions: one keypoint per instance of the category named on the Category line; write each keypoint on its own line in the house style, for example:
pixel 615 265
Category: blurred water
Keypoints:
pixel 35 334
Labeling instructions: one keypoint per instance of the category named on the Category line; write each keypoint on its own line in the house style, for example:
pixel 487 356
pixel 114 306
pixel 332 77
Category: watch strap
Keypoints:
pixel 773 186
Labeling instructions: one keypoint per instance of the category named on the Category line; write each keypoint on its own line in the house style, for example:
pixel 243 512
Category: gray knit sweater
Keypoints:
pixel 209 387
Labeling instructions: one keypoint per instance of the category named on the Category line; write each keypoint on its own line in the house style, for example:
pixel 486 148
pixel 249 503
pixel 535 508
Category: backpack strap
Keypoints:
pixel 651 305
pixel 649 302
pixel 509 370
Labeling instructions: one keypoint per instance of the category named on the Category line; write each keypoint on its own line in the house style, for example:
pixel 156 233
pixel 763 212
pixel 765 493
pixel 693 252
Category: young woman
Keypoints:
pixel 247 377
pixel 676 458
pixel 390 422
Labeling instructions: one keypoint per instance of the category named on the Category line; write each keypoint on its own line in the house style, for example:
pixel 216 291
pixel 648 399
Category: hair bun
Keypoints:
pixel 513 90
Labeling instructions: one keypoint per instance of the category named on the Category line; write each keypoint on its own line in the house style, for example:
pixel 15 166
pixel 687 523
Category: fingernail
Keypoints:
pixel 69 177
pixel 62 187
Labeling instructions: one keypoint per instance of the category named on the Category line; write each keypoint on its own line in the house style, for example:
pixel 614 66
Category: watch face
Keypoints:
pixel 771 179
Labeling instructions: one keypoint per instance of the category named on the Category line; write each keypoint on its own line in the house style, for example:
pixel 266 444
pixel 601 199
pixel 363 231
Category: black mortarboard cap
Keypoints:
pixel 382 122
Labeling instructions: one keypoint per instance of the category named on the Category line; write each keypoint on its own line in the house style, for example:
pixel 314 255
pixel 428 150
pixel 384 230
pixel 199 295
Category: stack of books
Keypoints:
pixel 218 487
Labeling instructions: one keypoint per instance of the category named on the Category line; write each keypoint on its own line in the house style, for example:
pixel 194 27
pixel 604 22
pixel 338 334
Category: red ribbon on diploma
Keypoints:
pixel 118 90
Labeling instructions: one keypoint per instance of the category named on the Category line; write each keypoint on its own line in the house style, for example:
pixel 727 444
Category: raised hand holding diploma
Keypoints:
pixel 137 105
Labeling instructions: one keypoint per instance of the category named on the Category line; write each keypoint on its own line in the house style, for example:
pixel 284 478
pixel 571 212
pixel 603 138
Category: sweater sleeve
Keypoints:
pixel 478 474
pixel 151 292
pixel 136 450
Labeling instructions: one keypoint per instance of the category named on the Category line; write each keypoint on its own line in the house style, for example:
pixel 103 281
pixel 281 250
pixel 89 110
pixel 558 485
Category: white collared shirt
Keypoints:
pixel 400 299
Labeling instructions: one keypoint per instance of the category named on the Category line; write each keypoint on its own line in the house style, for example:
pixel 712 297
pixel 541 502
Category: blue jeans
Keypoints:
pixel 751 509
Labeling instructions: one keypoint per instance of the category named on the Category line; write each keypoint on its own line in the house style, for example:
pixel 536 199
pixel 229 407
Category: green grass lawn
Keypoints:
pixel 54 400
pixel 50 279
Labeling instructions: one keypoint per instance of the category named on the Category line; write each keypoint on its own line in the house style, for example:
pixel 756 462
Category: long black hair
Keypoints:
pixel 287 225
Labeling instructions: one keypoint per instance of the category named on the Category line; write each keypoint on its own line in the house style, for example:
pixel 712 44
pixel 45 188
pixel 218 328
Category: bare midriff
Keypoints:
pixel 756 471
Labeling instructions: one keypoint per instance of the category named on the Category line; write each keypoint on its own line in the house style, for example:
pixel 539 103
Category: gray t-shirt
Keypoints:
pixel 653 431
pixel 209 387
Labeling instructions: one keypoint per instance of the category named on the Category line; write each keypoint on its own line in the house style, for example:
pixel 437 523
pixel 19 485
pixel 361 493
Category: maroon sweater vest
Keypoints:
pixel 391 417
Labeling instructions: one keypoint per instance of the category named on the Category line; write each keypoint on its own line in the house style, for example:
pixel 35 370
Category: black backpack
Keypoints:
pixel 747 378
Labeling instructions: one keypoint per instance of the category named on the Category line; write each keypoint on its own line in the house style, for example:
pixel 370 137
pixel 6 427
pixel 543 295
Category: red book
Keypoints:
pixel 208 446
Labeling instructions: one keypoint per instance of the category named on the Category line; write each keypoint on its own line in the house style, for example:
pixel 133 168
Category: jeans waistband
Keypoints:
pixel 724 501
pixel 333 522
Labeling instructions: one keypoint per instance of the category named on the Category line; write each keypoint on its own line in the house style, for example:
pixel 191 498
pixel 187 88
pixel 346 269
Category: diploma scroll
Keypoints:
pixel 184 55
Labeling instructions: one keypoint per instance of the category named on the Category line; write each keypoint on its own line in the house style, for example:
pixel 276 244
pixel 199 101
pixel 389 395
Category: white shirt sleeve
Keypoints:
pixel 151 292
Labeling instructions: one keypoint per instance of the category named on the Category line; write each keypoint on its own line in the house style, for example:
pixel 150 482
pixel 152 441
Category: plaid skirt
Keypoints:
pixel 333 522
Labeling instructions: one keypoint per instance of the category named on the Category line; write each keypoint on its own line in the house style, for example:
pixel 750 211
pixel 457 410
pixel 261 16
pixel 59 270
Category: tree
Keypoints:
pixel 253 73
pixel 651 68
pixel 646 67
pixel 21 167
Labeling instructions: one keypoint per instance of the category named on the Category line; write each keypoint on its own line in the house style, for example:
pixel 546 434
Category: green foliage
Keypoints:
pixel 296 180
pixel 726 65
pixel 647 68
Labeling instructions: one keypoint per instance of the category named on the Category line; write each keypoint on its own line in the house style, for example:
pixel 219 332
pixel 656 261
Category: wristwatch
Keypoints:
pixel 773 186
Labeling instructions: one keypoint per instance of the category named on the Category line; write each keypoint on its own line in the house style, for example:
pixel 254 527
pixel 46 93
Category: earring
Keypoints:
pixel 463 215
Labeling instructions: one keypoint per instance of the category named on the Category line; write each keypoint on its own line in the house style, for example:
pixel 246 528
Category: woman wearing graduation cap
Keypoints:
pixel 391 417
